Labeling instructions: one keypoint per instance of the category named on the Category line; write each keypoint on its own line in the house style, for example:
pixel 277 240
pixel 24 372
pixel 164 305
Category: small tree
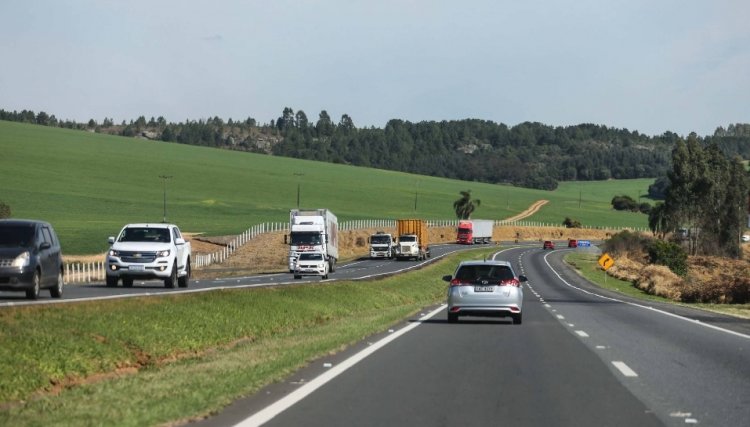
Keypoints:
pixel 571 223
pixel 670 254
pixel 465 206
pixel 624 203
pixel 4 210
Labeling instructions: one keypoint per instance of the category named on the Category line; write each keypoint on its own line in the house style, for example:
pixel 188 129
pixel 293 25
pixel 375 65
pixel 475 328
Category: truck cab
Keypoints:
pixel 382 245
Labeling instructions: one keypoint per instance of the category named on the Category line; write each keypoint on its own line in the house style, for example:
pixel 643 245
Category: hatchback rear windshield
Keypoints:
pixel 497 272
pixel 16 235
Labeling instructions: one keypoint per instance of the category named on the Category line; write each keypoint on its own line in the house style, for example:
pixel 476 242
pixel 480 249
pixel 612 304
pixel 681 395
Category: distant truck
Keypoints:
pixel 473 231
pixel 313 230
pixel 149 251
pixel 382 245
pixel 413 239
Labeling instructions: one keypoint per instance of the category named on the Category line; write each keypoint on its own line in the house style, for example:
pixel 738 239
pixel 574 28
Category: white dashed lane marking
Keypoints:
pixel 624 369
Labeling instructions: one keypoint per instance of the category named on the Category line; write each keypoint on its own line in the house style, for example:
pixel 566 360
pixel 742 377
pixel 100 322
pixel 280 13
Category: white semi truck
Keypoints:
pixel 313 230
pixel 382 245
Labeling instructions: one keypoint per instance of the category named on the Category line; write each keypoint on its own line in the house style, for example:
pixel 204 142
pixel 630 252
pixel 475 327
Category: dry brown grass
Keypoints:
pixel 709 279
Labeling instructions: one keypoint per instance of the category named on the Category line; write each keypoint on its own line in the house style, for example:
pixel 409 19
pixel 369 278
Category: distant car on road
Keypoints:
pixel 30 258
pixel 485 288
pixel 548 244
pixel 572 243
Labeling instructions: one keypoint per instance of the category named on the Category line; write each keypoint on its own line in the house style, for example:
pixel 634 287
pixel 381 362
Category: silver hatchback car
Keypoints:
pixel 485 288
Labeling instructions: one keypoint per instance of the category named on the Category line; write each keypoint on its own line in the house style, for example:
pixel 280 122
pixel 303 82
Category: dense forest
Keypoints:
pixel 529 154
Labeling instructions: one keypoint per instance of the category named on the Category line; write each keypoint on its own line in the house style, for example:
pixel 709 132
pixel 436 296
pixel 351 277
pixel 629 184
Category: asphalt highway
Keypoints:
pixel 582 357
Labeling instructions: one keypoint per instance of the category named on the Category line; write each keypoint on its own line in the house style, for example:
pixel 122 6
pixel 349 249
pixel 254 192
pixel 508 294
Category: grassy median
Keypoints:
pixel 150 361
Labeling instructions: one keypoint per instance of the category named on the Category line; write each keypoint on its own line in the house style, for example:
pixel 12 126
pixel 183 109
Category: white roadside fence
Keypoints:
pixel 95 271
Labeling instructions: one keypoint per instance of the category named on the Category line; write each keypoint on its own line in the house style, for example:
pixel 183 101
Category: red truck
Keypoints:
pixel 471 231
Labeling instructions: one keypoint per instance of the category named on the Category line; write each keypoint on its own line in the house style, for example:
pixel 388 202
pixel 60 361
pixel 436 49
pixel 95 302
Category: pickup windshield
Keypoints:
pixel 311 257
pixel 144 234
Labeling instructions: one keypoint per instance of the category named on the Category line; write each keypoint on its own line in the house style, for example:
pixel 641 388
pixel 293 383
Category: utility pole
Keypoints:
pixel 416 193
pixel 298 187
pixel 164 180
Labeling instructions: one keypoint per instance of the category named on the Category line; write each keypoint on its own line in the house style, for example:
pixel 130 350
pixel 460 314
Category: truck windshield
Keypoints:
pixel 144 234
pixel 407 239
pixel 380 240
pixel 464 230
pixel 16 235
pixel 305 239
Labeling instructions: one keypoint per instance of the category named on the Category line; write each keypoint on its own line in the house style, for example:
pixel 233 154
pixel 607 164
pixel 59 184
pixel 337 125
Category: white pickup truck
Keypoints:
pixel 149 251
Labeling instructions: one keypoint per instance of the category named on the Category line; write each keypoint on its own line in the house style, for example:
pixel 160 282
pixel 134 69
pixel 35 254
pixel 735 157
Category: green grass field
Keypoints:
pixel 88 185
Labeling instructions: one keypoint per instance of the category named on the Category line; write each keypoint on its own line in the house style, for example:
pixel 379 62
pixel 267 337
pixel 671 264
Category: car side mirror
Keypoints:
pixel 522 278
pixel 45 245
pixel 447 278
pixel 285 239
pixel 179 241
pixel 111 240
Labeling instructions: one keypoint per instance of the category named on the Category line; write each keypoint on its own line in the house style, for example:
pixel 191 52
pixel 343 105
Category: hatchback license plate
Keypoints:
pixel 484 288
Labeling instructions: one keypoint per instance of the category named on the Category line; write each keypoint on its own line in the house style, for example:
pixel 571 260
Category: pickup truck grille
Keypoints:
pixel 5 262
pixel 137 257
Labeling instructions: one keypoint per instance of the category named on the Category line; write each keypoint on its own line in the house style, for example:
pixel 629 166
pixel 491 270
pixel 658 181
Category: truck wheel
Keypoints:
pixel 332 265
pixel 185 280
pixel 33 293
pixel 171 281
pixel 111 281
pixel 57 290
pixel 127 282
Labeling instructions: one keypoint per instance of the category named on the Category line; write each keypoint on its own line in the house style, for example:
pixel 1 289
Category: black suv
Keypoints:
pixel 30 258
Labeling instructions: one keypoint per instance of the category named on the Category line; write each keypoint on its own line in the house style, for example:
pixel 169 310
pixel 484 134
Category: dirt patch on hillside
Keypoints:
pixel 531 210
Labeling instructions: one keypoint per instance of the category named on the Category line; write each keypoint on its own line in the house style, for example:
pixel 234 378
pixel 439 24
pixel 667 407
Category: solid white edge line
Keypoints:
pixel 666 313
pixel 624 369
pixel 287 401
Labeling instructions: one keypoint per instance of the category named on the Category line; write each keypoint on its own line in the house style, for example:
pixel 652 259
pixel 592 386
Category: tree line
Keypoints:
pixel 706 200
pixel 529 154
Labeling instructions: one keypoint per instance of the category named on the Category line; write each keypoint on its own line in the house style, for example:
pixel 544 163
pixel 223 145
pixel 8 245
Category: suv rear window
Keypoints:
pixel 471 272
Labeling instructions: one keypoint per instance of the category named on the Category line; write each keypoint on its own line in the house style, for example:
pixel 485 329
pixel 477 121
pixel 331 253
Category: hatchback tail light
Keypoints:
pixel 512 282
pixel 459 282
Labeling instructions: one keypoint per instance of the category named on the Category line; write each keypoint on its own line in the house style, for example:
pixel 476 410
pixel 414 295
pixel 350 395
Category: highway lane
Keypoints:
pixel 579 359
pixel 691 366
pixel 356 270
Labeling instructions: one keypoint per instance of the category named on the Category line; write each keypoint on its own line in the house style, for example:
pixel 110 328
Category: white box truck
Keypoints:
pixel 313 230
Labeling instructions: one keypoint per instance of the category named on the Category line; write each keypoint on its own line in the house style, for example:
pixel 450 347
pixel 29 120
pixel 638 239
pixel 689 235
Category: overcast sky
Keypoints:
pixel 645 65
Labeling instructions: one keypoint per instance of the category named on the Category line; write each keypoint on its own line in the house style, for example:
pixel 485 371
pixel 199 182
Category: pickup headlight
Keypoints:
pixel 163 254
pixel 22 260
pixel 113 252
